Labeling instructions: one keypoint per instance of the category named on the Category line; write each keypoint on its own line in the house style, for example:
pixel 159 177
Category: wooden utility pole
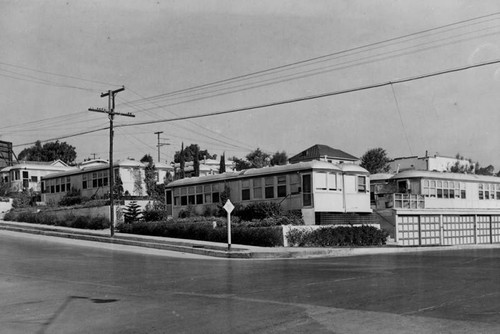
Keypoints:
pixel 158 133
pixel 160 144
pixel 111 113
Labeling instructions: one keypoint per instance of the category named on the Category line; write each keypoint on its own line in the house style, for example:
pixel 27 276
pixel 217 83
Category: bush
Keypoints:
pixel 263 236
pixel 338 236
pixel 44 218
pixel 257 211
pixel 152 215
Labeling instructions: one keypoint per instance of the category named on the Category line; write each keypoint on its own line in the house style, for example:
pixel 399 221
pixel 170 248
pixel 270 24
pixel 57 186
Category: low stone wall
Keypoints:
pixel 5 205
pixel 99 211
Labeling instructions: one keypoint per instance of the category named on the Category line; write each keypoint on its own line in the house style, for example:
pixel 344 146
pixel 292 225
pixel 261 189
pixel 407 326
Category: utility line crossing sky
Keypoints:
pixel 179 60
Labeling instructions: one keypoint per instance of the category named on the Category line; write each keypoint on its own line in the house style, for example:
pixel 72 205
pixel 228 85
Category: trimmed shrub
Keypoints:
pixel 151 215
pixel 257 236
pixel 257 211
pixel 44 218
pixel 338 236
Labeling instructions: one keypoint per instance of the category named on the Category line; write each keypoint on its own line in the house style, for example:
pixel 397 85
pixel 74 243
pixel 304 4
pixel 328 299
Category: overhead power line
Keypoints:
pixel 283 102
pixel 309 60
pixel 313 97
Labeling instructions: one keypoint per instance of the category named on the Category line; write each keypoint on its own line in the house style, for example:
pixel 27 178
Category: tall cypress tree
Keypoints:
pixel 182 163
pixel 196 162
pixel 222 164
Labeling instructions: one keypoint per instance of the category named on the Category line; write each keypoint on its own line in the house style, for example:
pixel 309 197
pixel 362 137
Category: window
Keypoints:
pixel 184 200
pixel 361 184
pixel 84 181
pixel 281 186
pixel 269 187
pixel 25 174
pixel 199 198
pixel 332 181
pixel 208 198
pixel 34 179
pixel 257 188
pixel 215 197
pixel 295 183
pixel 169 197
pixel 191 199
pixel 481 192
pixel 320 181
pixel 307 199
pixel 94 180
pixel 17 175
pixel 245 190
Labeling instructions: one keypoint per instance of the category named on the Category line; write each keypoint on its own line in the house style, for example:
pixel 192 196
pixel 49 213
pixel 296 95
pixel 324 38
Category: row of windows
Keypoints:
pixel 95 180
pixel 489 191
pixel 270 187
pixel 444 189
pixel 201 194
pixel 59 185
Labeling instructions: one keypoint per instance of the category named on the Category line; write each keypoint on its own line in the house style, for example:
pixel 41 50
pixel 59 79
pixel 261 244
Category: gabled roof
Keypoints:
pixel 319 151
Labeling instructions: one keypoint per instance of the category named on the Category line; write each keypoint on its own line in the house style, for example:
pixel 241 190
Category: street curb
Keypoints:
pixel 220 250
pixel 133 241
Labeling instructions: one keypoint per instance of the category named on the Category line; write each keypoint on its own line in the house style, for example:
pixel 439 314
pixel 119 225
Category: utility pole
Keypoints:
pixel 160 144
pixel 111 113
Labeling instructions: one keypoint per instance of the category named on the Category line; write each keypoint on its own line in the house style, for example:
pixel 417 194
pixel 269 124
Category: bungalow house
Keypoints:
pixel 27 175
pixel 91 178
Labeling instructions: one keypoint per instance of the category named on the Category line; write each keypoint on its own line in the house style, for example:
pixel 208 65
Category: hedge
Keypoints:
pixel 337 236
pixel 256 236
pixel 69 220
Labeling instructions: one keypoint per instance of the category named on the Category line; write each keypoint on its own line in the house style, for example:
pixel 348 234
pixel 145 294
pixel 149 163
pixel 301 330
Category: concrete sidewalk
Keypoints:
pixel 215 249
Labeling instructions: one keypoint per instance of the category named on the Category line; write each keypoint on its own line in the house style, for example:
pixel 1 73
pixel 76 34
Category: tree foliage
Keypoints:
pixel 279 158
pixel 375 161
pixel 189 152
pixel 463 165
pixel 254 159
pixel 49 152
pixel 222 163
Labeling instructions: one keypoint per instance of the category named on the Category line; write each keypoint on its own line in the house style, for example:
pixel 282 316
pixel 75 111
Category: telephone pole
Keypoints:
pixel 160 144
pixel 111 113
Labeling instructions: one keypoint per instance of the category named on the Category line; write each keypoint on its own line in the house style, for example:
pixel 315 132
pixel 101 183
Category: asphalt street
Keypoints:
pixel 52 285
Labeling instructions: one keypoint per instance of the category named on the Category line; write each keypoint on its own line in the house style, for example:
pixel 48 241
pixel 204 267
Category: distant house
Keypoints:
pixel 429 163
pixel 323 153
pixel 27 175
pixel 91 178
pixel 5 154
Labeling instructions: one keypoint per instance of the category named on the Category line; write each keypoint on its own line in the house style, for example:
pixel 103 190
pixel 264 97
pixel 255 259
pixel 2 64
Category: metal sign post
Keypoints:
pixel 229 207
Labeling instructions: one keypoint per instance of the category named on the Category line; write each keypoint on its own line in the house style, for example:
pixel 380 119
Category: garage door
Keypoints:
pixel 458 230
pixel 408 230
pixel 429 230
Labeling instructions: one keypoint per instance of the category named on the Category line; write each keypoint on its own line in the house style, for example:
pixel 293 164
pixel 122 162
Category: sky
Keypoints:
pixel 178 59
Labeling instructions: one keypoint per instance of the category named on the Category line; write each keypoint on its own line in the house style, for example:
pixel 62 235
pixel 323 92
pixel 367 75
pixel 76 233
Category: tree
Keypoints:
pixel 196 161
pixel 49 152
pixel 190 152
pixel 254 159
pixel 463 165
pixel 375 161
pixel 489 170
pixel 222 163
pixel 241 164
pixel 279 158
pixel 181 162
pixel 150 175
pixel 132 212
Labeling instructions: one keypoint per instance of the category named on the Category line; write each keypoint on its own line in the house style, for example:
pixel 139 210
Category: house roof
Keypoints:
pixel 319 151
pixel 312 165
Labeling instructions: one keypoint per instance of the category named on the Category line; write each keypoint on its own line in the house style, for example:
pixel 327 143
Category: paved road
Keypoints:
pixel 49 285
